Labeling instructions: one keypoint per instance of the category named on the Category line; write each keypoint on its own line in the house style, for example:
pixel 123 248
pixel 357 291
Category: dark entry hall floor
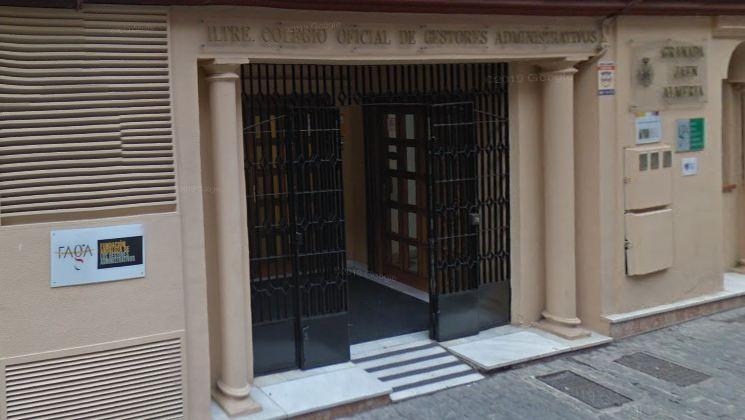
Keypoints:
pixel 376 311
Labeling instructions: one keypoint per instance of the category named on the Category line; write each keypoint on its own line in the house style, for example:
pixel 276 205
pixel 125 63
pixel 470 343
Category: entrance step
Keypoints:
pixel 416 368
pixel 397 368
pixel 319 392
pixel 509 345
pixel 295 393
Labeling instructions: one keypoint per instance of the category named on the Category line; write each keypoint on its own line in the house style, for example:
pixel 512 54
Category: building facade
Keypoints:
pixel 195 196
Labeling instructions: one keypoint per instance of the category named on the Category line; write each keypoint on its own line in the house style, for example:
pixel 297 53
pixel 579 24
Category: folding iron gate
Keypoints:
pixel 294 186
pixel 296 219
pixel 453 220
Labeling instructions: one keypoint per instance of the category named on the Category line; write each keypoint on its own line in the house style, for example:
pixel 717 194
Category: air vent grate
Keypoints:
pixel 85 112
pixel 585 390
pixel 143 381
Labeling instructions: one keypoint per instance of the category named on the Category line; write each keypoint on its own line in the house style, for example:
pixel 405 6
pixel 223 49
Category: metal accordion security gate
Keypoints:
pixel 293 150
pixel 454 219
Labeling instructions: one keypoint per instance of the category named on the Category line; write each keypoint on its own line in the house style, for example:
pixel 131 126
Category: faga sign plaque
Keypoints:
pixel 95 255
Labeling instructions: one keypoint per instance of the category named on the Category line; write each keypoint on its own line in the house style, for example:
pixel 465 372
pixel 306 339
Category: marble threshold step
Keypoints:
pixel 402 367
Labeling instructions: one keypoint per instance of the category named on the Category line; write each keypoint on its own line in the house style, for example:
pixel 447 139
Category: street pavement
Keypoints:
pixel 713 345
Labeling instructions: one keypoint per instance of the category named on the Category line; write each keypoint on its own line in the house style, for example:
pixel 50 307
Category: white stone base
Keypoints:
pixel 295 393
pixel 505 346
pixel 734 286
pixel 235 407
pixel 563 331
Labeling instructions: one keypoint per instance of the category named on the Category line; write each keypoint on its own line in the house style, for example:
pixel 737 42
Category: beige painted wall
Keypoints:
pixel 38 318
pixel 39 322
pixel 353 170
pixel 193 188
pixel 587 150
pixel 179 285
pixel 697 200
pixel 598 191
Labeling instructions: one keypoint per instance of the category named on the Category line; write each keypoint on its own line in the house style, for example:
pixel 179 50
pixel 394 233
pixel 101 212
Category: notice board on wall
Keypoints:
pixel 690 136
pixel 648 127
pixel 96 255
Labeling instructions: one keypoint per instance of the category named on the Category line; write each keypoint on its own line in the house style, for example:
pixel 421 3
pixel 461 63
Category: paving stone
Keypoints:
pixel 713 345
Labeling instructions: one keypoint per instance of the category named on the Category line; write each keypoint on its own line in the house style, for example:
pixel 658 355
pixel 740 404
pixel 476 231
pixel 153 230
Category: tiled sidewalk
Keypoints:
pixel 711 346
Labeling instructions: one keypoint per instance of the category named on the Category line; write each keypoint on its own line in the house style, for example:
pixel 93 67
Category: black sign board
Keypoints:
pixel 119 252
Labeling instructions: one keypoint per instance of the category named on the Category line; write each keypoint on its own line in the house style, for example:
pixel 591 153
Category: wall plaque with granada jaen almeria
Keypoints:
pixel 96 255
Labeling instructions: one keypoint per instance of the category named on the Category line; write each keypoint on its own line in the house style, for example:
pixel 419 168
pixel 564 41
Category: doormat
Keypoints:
pixel 585 390
pixel 662 369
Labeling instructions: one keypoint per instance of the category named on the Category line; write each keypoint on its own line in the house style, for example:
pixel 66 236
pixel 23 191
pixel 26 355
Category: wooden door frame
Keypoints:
pixel 375 162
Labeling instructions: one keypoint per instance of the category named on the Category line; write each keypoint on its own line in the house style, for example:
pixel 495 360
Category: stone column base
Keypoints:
pixel 739 268
pixel 565 331
pixel 235 406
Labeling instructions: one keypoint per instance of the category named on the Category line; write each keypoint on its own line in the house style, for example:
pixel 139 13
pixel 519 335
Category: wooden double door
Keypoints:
pixel 397 169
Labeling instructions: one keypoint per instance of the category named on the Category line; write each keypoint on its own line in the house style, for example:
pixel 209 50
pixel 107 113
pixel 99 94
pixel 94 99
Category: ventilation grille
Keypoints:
pixel 137 382
pixel 85 113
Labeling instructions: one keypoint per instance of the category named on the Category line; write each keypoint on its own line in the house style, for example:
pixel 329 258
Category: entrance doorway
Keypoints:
pixel 412 233
pixel 733 161
pixel 398 207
